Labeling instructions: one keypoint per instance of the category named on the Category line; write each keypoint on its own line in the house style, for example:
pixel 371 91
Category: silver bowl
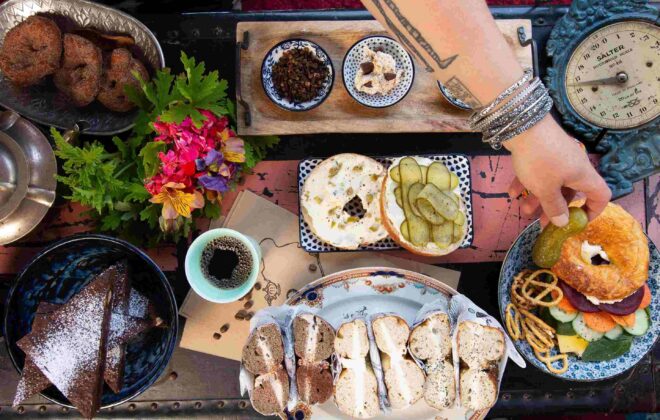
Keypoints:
pixel 43 103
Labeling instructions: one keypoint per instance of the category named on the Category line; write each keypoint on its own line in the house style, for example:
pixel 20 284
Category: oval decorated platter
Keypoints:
pixel 360 292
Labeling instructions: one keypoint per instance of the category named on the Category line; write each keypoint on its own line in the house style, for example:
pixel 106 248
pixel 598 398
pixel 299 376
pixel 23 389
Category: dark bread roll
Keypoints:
pixel 264 350
pixel 271 392
pixel 314 338
pixel 314 382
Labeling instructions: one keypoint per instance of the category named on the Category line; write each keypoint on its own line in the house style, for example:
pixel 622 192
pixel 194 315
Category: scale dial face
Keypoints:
pixel 613 76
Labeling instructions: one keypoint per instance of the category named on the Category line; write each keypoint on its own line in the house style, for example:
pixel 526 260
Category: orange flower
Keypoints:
pixel 177 202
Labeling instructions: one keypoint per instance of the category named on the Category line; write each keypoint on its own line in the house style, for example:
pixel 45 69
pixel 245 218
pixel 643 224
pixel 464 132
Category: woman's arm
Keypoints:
pixel 460 43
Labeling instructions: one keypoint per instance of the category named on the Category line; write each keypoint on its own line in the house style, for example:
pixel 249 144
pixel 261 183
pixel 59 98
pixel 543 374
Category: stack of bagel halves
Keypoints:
pixel 373 364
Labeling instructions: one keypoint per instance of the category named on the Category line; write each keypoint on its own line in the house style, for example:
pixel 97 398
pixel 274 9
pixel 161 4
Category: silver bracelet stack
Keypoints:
pixel 518 114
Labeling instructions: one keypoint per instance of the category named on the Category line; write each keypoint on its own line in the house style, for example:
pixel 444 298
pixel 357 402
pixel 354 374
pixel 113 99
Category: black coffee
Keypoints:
pixel 226 262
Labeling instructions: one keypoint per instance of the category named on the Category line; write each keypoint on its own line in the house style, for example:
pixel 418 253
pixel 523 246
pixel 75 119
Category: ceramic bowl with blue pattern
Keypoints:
pixel 356 55
pixel 60 272
pixel 273 57
pixel 519 258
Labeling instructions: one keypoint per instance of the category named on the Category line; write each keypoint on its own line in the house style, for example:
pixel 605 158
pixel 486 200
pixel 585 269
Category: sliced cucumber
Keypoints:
pixel 562 316
pixel 614 333
pixel 641 323
pixel 585 332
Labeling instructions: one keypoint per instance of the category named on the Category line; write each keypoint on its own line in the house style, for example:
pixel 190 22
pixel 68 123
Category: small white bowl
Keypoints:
pixel 356 56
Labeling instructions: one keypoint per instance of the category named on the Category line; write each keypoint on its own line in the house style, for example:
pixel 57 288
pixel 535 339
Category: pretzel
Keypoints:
pixel 513 322
pixel 549 360
pixel 542 289
pixel 516 297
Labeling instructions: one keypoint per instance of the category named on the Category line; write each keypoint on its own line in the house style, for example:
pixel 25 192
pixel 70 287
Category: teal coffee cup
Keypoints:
pixel 200 281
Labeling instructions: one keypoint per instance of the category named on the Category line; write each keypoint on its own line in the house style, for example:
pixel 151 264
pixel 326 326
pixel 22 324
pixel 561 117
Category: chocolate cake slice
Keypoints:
pixel 116 354
pixel 32 380
pixel 70 349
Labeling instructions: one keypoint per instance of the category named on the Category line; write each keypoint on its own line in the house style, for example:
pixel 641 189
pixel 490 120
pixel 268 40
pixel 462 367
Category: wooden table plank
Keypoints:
pixel 422 110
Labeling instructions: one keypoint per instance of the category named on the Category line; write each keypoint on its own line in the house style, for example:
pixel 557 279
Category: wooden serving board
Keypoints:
pixel 422 110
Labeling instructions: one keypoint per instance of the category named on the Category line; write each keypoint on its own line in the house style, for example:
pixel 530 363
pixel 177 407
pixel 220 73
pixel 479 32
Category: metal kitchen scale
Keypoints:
pixel 605 80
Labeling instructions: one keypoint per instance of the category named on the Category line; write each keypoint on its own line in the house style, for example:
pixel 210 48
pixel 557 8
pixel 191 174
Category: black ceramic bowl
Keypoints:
pixel 61 271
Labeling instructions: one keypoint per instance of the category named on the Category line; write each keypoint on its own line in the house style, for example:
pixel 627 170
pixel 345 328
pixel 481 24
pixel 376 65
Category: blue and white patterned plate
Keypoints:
pixel 355 56
pixel 519 258
pixel 273 57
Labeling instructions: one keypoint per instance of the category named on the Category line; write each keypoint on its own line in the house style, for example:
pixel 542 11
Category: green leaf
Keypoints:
pixel 606 349
pixel 122 147
pixel 111 221
pixel 211 210
pixel 136 192
pixel 565 328
pixel 150 214
pixel 149 155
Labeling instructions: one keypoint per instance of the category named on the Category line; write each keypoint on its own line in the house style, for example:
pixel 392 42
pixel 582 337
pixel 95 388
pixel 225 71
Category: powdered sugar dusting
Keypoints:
pixel 138 305
pixel 70 346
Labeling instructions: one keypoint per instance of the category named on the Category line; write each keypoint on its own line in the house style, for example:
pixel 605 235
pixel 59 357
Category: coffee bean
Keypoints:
pixel 249 316
pixel 257 286
pixel 224 328
pixel 240 314
pixel 216 336
pixel 248 304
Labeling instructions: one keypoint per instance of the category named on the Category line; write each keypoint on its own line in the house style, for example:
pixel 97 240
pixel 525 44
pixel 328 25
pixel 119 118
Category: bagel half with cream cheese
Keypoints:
pixel 328 189
pixel 395 212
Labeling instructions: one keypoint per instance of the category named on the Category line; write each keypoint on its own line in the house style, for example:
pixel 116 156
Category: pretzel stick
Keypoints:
pixel 513 322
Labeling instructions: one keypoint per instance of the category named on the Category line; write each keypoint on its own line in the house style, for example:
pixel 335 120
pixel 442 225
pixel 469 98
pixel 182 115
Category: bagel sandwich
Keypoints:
pixel 608 262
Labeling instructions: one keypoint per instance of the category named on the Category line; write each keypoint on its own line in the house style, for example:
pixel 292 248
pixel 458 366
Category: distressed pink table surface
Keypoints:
pixel 497 218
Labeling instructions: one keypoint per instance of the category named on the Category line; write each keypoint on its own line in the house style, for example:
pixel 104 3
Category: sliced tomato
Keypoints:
pixel 599 321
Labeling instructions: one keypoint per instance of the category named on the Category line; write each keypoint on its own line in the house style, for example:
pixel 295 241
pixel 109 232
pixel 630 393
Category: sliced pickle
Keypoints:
pixel 415 189
pixel 397 195
pixel 417 227
pixel 547 248
pixel 453 180
pixel 394 174
pixel 425 170
pixel 442 234
pixel 460 219
pixel 440 202
pixel 404 231
pixel 429 213
pixel 457 234
pixel 439 175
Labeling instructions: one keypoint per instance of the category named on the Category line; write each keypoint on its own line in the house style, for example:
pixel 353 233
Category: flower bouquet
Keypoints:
pixel 179 159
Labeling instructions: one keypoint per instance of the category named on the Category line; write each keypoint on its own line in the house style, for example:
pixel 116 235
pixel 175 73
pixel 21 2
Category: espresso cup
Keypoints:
pixel 202 285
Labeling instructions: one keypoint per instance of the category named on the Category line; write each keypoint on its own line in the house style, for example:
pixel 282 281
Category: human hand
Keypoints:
pixel 553 168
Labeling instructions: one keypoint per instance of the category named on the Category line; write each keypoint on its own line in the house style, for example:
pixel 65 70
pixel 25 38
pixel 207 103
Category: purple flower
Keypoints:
pixel 214 183
pixel 200 165
pixel 213 159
